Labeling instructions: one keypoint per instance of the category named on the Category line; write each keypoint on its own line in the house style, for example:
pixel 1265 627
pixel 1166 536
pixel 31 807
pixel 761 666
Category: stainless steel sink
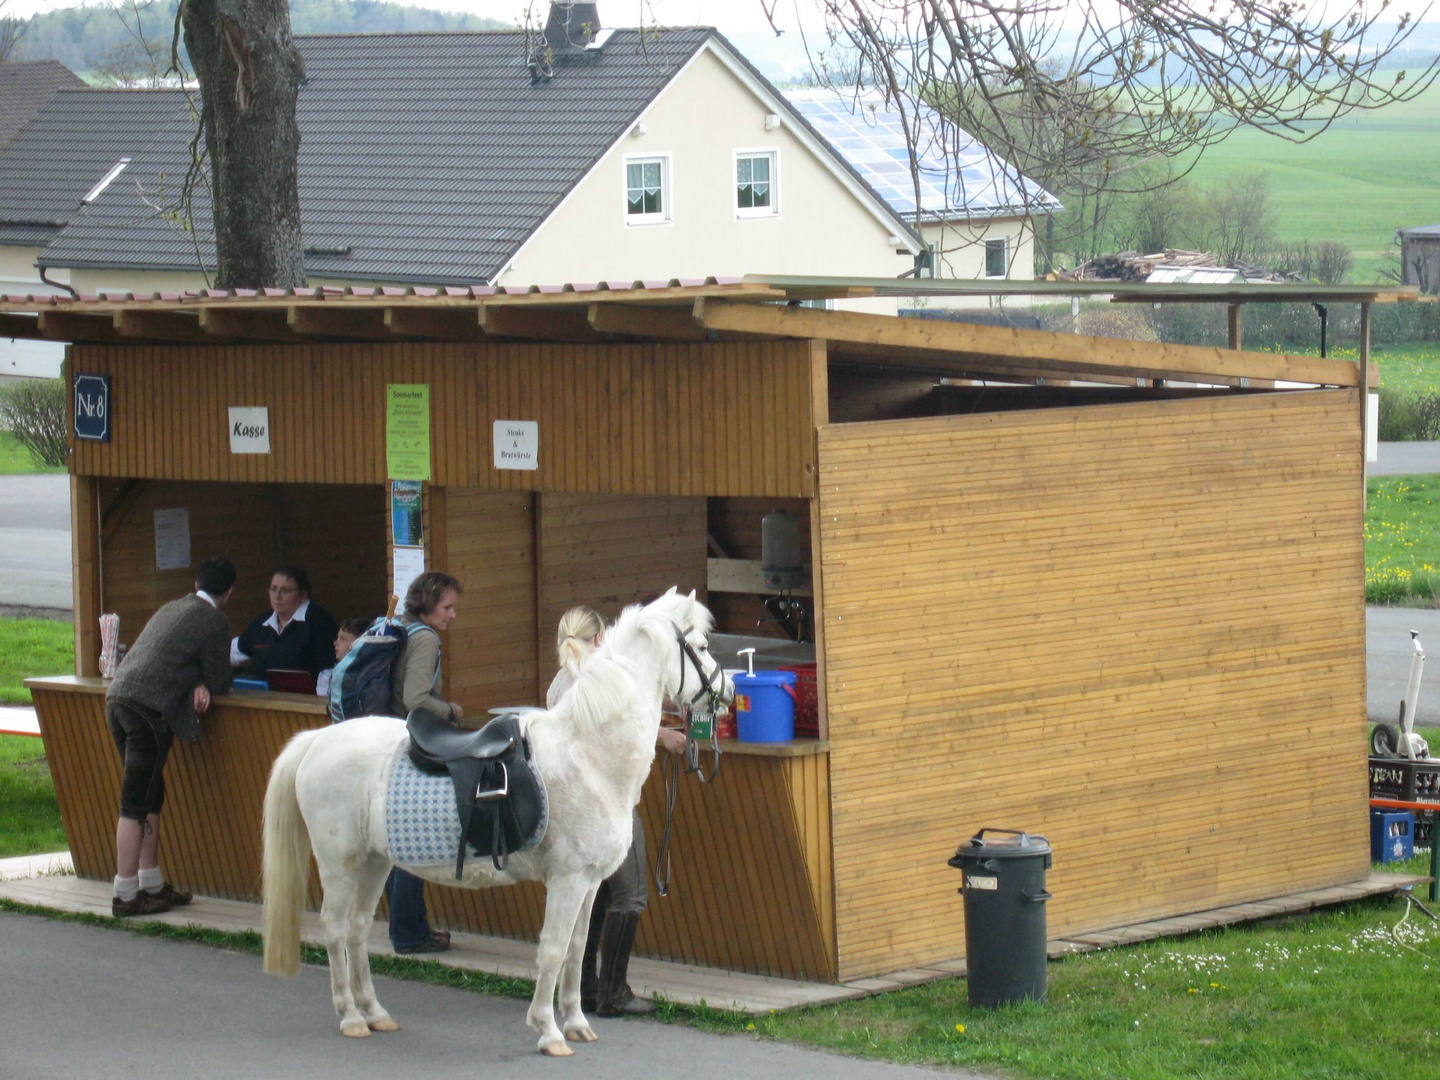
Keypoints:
pixel 770 652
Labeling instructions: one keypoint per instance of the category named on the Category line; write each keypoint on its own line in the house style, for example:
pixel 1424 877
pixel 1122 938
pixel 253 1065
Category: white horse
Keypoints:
pixel 593 750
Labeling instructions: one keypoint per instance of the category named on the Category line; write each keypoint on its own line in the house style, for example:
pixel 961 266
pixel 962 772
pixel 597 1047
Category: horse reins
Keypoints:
pixel 670 768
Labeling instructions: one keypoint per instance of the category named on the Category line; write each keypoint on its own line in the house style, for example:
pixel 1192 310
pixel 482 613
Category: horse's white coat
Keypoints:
pixel 593 751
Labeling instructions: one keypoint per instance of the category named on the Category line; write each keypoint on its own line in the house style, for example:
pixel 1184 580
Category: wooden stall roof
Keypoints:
pixel 713 309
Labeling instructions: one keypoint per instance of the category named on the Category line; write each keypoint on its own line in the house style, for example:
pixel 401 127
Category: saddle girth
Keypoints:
pixel 498 795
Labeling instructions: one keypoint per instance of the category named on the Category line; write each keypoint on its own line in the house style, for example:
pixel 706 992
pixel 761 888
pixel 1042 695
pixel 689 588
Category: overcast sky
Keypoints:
pixel 737 16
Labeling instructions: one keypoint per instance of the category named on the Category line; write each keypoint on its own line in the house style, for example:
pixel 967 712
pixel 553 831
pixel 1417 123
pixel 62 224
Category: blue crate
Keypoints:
pixel 1392 835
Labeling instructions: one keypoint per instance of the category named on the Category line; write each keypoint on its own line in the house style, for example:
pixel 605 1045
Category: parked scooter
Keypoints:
pixel 1400 740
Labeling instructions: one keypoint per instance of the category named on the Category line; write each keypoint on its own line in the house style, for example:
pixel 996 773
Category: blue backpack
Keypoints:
pixel 363 682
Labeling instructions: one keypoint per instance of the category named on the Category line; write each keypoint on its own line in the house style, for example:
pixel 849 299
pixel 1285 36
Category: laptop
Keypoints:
pixel 290 681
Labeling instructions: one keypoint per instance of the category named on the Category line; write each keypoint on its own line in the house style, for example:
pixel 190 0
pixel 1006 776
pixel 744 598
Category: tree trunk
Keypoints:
pixel 250 73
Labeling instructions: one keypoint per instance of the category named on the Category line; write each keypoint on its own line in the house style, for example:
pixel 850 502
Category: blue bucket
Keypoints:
pixel 765 706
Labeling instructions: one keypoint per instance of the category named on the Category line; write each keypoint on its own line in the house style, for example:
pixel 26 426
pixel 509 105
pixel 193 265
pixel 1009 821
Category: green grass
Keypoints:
pixel 29 815
pixel 14 458
pixel 1412 368
pixel 32 647
pixel 1358 182
pixel 1331 994
pixel 1402 540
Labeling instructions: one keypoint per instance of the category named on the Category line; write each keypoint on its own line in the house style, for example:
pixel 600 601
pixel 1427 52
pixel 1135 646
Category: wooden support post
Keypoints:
pixel 85 569
pixel 820 416
pixel 1363 387
pixel 1237 336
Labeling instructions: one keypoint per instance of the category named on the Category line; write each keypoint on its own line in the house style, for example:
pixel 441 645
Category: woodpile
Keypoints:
pixel 1133 266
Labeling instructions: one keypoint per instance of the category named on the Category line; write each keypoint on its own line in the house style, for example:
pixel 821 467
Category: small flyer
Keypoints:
pixel 405 513
pixel 407 431
pixel 172 539
pixel 408 564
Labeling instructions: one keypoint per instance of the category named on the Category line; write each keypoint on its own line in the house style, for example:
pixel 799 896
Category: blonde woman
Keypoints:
pixel 623 897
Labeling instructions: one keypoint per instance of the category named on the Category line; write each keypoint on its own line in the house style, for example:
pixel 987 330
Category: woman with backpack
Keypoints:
pixel 415 684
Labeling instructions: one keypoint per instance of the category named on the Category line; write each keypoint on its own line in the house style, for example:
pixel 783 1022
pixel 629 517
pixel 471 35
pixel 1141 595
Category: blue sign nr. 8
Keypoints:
pixel 92 407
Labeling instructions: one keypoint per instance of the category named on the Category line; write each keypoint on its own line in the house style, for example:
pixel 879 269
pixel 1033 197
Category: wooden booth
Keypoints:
pixel 1103 590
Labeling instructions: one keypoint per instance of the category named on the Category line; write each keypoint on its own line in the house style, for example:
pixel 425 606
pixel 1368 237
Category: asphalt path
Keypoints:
pixel 80 1000
pixel 35 542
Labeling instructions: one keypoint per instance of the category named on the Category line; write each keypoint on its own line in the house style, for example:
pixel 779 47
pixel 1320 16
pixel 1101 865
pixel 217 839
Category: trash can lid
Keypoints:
pixel 1006 844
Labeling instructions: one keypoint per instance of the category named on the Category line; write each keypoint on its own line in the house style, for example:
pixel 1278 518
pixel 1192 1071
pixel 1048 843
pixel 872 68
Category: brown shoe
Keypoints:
pixel 143 903
pixel 167 892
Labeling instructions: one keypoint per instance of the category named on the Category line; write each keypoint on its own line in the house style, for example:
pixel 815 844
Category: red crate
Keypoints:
pixel 807 701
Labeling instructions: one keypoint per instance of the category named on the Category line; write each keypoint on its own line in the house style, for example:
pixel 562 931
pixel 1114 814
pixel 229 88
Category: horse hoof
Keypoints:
pixel 581 1034
pixel 355 1030
pixel 556 1049
pixel 385 1023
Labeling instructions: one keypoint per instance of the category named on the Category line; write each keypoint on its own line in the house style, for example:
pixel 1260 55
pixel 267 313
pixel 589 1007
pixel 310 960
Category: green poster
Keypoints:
pixel 407 431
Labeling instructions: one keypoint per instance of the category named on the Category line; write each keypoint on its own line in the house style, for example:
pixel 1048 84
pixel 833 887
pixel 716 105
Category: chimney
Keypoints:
pixel 571 26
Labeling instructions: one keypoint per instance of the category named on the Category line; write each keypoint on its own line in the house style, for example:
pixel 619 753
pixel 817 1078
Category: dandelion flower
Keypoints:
pixel 1192 990
pixel 960 1028
pixel 749 1027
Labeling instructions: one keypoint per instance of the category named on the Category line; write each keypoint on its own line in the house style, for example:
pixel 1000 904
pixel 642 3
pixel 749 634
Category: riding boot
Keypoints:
pixel 589 981
pixel 616 997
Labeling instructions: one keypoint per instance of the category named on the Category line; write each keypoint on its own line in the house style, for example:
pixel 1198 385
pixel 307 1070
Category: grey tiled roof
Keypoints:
pixel 431 157
pixel 27 85
pixel 70 145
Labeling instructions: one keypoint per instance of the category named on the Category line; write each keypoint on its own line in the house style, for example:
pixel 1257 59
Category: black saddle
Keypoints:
pixel 498 794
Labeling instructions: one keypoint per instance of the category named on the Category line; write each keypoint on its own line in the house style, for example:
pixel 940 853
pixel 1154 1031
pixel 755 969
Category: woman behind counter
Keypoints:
pixel 297 633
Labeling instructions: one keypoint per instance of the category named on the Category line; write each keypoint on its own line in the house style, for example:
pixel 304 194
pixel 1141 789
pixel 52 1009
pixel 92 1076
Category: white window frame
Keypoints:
pixel 751 212
pixel 667 190
pixel 1004 242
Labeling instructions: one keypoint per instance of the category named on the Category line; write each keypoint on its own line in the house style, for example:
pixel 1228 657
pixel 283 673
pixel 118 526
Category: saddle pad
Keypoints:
pixel 422 827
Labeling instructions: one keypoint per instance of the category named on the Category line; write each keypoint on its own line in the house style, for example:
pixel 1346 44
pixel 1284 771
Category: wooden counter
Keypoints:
pixel 752 880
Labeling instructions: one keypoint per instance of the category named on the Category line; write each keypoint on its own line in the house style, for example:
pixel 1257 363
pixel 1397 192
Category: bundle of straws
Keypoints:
pixel 109 644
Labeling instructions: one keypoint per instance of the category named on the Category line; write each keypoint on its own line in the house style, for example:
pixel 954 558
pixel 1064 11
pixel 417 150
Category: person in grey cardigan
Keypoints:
pixel 160 689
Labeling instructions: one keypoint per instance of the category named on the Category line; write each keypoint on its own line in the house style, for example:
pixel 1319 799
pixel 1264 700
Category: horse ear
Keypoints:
pixel 670 591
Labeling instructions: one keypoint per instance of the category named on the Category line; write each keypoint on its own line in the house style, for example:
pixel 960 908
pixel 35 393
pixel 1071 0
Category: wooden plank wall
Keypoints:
pixel 337 532
pixel 607 551
pixel 490 653
pixel 709 419
pixel 214 789
pixel 1138 629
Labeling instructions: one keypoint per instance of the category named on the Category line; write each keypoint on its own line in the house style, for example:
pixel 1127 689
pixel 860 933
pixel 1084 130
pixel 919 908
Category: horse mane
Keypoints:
pixel 604 682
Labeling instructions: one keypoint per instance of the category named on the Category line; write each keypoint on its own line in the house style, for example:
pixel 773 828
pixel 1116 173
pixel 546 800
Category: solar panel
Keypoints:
pixel 958 176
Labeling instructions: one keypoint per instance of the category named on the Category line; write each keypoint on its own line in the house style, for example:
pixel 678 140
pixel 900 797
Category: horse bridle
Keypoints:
pixel 670 767
pixel 707 682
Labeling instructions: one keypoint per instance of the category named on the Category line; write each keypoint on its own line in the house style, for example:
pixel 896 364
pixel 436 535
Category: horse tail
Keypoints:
pixel 286 864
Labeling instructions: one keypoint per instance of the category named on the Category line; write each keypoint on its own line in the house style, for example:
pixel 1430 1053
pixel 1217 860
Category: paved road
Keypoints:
pixel 1387 662
pixel 84 1001
pixel 35 542
pixel 1406 459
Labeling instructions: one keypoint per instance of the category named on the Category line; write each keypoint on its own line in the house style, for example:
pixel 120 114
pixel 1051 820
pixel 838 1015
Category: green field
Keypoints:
pixel 14 458
pixel 1412 368
pixel 1368 175
pixel 31 647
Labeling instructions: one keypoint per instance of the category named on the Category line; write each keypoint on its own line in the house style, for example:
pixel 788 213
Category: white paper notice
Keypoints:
pixel 250 430
pixel 517 444
pixel 172 539
pixel 409 563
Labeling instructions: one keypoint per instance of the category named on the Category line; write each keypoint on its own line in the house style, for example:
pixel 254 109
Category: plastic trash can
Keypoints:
pixel 1004 890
